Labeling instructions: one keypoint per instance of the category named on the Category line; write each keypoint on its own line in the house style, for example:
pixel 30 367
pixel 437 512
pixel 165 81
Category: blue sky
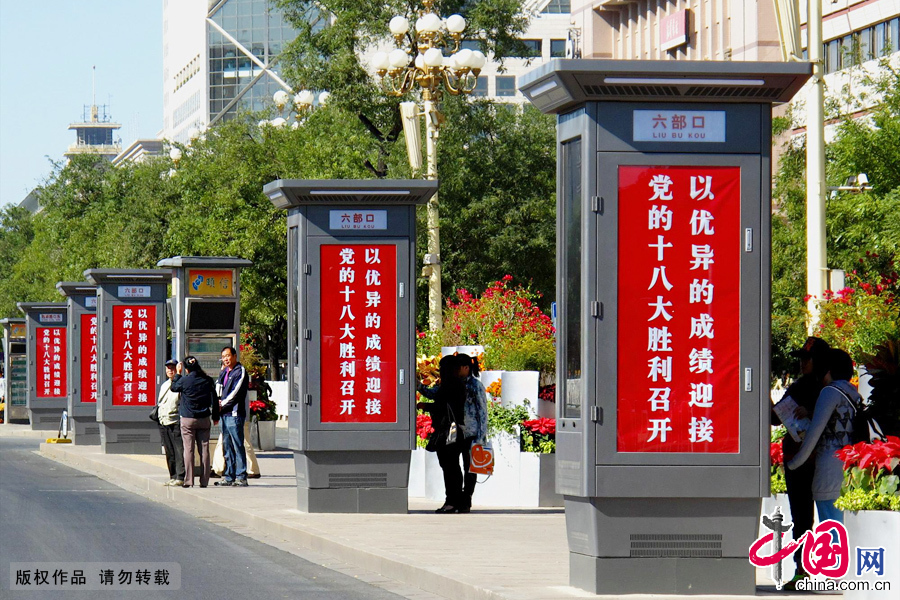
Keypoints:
pixel 47 49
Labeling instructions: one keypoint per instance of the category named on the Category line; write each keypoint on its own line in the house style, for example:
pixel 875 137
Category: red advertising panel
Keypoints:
pixel 89 358
pixel 134 355
pixel 359 333
pixel 51 362
pixel 679 309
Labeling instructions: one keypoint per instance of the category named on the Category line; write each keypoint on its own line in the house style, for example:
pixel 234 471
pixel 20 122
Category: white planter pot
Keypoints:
pixel 874 529
pixel 519 386
pixel 262 435
pixel 448 351
pixel 416 484
pixel 472 351
pixel 489 377
pixel 546 409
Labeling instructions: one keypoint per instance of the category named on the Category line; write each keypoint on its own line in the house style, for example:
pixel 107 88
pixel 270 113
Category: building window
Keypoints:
pixel 506 85
pixel 863 45
pixel 532 49
pixel 557 7
pixel 557 48
pixel 481 87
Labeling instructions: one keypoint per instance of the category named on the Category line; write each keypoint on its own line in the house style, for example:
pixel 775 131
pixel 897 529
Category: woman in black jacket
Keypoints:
pixel 198 404
pixel 448 407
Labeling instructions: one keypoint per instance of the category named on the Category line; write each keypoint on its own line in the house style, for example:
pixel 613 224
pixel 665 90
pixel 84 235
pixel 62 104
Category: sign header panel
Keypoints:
pixel 353 220
pixel 673 30
pixel 134 291
pixel 359 333
pixel 50 318
pixel 210 282
pixel 679 126
pixel 679 309
pixel 51 362
pixel 18 331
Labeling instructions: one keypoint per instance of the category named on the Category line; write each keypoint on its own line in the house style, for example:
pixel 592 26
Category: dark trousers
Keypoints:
pixel 799 491
pixel 195 431
pixel 171 439
pixel 458 485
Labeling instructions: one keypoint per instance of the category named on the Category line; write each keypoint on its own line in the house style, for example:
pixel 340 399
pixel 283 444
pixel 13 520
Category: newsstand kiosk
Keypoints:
pixel 84 366
pixel 205 308
pixel 663 203
pixel 131 308
pixel 15 369
pixel 46 323
pixel 351 339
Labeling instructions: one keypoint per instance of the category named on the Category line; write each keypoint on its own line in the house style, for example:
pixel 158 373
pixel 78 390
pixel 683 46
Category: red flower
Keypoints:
pixel 776 453
pixel 839 323
pixel 423 426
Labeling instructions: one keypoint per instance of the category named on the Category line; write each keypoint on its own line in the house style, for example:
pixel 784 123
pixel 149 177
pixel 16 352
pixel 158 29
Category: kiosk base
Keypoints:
pixel 45 419
pixel 130 438
pixel 608 576
pixel 352 481
pixel 662 545
pixel 86 431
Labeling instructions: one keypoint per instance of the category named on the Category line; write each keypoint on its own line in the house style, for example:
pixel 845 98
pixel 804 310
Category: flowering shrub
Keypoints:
pixel 516 334
pixel 861 315
pixel 428 370
pixel 548 393
pixel 423 429
pixel 263 410
pixel 871 476
pixel 539 435
pixel 776 458
pixel 495 389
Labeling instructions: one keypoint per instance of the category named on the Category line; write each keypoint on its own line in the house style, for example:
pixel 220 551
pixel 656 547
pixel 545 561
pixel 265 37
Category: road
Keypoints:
pixel 52 513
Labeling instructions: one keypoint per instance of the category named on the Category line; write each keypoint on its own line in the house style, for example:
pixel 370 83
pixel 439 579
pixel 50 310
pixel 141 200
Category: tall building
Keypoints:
pixel 95 134
pixel 219 57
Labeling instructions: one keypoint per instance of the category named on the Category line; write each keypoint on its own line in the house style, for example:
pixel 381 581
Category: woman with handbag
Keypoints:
pixel 447 411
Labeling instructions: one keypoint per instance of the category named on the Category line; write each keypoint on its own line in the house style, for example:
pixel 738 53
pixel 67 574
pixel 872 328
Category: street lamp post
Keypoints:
pixel 422 62
pixel 303 102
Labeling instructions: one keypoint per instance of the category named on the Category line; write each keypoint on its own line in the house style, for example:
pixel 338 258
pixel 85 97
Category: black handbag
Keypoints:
pixel 444 435
pixel 154 414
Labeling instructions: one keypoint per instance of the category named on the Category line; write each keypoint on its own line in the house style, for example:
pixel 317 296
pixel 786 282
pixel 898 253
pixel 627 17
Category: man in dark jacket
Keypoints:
pixel 232 387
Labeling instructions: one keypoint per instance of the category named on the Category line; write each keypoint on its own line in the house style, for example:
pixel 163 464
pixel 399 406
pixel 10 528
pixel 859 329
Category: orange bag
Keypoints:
pixel 481 459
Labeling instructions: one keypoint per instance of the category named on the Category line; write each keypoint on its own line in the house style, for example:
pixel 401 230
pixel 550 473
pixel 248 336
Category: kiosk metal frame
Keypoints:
pixel 84 380
pixel 45 411
pixel 15 361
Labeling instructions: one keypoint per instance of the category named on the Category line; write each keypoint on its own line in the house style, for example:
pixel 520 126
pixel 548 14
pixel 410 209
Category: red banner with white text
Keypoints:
pixel 679 284
pixel 134 355
pixel 359 333
pixel 51 362
pixel 89 363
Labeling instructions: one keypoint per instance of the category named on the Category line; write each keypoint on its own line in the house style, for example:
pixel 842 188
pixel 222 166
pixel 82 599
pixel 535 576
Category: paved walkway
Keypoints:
pixel 518 554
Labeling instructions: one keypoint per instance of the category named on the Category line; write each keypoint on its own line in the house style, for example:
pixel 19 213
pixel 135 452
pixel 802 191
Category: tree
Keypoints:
pixel 16 233
pixel 858 225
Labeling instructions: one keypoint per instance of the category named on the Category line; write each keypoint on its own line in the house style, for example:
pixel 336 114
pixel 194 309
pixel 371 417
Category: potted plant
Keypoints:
pixel 263 410
pixel 870 497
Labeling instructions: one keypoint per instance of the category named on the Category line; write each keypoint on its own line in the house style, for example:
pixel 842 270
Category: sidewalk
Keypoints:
pixel 518 554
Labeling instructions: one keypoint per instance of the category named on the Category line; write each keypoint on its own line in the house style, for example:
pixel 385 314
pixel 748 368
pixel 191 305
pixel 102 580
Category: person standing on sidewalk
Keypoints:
pixel 198 405
pixel 232 387
pixel 474 425
pixel 170 425
pixel 813 357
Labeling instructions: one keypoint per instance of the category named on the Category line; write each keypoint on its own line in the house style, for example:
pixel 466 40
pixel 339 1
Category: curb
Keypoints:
pixel 433 580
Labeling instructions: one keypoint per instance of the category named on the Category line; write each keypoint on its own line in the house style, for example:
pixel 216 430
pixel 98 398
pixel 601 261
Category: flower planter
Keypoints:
pixel 874 529
pixel 520 479
pixel 519 386
pixel 489 377
pixel 262 435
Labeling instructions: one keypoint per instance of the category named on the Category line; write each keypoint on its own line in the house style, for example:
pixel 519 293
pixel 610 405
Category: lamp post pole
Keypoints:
pixel 816 257
pixel 426 66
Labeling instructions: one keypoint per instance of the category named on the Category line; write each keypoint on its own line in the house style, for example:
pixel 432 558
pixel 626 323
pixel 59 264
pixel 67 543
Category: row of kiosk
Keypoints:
pixel 99 355
pixel 663 203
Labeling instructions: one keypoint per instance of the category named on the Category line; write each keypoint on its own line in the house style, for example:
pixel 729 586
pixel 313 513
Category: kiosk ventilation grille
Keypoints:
pixel 357 480
pixel 353 198
pixel 124 438
pixel 676 546
pixel 649 92
pixel 50 419
pixel 92 430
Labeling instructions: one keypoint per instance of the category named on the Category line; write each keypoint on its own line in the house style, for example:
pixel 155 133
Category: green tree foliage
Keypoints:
pixel 863 229
pixel 16 233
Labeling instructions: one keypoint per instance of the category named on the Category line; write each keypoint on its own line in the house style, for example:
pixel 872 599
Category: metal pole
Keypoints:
pixel 433 258
pixel 815 167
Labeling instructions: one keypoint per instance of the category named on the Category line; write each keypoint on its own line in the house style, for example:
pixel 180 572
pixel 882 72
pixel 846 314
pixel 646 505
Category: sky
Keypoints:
pixel 47 49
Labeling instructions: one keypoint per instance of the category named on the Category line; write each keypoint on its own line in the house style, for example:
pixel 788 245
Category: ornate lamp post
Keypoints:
pixel 302 103
pixel 419 61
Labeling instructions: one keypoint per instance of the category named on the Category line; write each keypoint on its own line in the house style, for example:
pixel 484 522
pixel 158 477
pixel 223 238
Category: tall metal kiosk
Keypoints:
pixel 84 365
pixel 351 339
pixel 131 308
pixel 663 203
pixel 205 309
pixel 46 323
pixel 15 369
